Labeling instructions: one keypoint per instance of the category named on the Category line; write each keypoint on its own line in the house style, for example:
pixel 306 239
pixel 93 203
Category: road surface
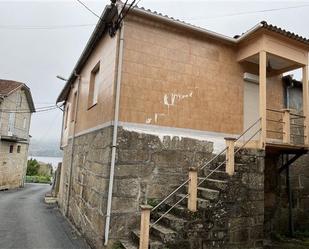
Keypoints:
pixel 27 222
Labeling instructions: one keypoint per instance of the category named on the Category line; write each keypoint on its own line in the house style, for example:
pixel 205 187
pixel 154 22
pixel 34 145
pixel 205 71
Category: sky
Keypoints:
pixel 42 39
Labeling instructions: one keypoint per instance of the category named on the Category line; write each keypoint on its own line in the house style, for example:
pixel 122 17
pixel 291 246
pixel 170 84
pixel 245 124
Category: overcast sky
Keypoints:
pixel 35 56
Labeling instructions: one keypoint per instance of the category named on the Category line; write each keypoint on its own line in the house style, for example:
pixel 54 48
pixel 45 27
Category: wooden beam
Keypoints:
pixel 145 222
pixel 290 161
pixel 306 104
pixel 286 126
pixel 230 155
pixel 262 94
pixel 192 190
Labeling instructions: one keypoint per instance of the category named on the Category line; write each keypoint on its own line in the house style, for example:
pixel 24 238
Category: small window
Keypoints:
pixel 66 115
pixel 18 148
pixel 19 100
pixel 25 123
pixel 74 103
pixel 11 148
pixel 94 86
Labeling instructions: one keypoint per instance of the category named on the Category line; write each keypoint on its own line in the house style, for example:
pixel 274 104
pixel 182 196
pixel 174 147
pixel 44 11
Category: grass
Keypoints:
pixel 38 179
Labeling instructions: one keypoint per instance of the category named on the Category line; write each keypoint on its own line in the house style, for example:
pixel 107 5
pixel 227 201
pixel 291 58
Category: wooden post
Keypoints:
pixel 262 99
pixel 192 190
pixel 230 155
pixel 306 104
pixel 286 126
pixel 145 222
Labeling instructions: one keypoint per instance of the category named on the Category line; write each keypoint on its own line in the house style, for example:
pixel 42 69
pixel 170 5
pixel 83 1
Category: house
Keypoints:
pixel 152 100
pixel 16 107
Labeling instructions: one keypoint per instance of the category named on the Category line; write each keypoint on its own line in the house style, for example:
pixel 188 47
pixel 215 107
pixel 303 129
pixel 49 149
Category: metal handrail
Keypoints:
pixel 274 110
pixel 275 121
pixel 170 195
pixel 243 145
pixel 201 168
pixel 249 128
pixel 161 217
pixel 297 115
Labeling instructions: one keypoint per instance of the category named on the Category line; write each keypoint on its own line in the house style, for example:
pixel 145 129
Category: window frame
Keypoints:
pixel 74 106
pixel 11 148
pixel 92 98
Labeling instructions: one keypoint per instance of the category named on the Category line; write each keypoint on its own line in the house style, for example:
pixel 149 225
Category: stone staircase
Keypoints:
pixel 176 227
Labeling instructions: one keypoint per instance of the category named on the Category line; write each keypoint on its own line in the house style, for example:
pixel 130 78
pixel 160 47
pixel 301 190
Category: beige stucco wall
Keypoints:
pixel 87 118
pixel 177 79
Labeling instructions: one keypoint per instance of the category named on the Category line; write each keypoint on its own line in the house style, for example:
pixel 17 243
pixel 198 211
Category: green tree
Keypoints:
pixel 32 167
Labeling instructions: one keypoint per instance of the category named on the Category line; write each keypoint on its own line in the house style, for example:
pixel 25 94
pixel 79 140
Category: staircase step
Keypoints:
pixel 217 174
pixel 207 193
pixel 201 202
pixel 213 183
pixel 218 165
pixel 170 220
pixel 153 243
pixel 164 233
pixel 128 244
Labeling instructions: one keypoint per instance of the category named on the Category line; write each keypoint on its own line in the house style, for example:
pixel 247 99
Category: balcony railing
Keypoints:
pixel 285 126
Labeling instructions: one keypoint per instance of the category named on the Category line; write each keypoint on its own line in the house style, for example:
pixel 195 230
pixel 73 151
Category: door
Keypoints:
pixel 251 107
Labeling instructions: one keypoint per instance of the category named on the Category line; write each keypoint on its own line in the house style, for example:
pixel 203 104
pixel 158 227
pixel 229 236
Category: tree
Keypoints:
pixel 32 167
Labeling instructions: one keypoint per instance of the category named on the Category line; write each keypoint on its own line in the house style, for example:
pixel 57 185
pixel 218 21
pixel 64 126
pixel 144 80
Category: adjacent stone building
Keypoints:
pixel 151 97
pixel 16 106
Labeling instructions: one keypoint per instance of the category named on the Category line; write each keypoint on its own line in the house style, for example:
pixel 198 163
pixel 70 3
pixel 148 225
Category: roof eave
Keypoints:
pixel 98 31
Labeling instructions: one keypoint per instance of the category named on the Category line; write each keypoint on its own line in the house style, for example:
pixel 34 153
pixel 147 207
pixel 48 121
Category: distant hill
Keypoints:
pixel 45 148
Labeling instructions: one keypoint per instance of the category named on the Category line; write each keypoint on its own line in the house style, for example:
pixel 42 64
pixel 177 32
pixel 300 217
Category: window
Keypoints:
pixel 25 123
pixel 18 148
pixel 66 114
pixel 94 86
pixel 19 100
pixel 74 103
pixel 11 148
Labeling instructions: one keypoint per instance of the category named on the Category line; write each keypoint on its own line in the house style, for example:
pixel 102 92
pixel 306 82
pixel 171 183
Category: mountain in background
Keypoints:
pixel 45 148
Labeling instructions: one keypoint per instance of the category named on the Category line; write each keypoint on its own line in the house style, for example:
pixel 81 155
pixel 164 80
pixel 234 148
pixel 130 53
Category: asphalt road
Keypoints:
pixel 27 222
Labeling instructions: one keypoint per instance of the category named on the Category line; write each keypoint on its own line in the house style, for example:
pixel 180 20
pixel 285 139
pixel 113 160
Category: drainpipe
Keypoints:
pixel 73 140
pixel 114 143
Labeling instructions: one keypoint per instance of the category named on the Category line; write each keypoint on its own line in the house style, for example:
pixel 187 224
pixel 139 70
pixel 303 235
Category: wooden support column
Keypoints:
pixel 230 155
pixel 145 223
pixel 286 126
pixel 192 190
pixel 262 94
pixel 306 104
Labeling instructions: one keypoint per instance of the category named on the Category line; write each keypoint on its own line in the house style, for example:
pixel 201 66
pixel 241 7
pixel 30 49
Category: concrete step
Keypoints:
pixel 220 165
pixel 201 202
pixel 153 242
pixel 217 174
pixel 213 183
pixel 128 244
pixel 207 193
pixel 165 234
pixel 170 220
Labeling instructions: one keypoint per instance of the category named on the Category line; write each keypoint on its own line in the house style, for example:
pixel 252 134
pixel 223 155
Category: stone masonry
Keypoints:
pixel 146 168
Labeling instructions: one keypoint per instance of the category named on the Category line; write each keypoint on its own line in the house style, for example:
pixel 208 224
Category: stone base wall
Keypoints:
pixel 86 206
pixel 236 218
pixel 146 168
pixel 12 165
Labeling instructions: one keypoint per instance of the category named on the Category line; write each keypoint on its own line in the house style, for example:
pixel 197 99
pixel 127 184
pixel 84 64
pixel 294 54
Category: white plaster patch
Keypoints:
pixel 171 99
pixel 160 131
